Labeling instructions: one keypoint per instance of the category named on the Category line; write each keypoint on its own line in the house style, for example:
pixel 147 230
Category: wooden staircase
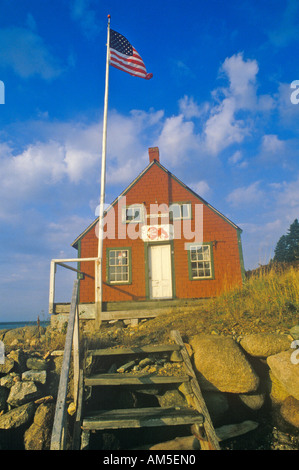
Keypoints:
pixel 119 380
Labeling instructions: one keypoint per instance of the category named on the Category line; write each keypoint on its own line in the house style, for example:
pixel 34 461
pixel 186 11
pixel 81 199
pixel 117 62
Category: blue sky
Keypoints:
pixel 218 107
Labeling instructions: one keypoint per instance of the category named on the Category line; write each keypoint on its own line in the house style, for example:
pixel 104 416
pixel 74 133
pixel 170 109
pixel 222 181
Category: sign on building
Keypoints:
pixel 157 233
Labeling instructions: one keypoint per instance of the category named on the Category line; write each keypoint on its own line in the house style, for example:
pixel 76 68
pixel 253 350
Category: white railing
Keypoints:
pixel 61 262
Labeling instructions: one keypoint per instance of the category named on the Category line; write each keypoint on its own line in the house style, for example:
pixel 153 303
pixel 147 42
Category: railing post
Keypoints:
pixel 76 356
pixel 98 292
pixel 52 287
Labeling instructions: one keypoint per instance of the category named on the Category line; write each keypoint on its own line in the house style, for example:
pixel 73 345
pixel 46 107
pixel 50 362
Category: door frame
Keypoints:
pixel 146 263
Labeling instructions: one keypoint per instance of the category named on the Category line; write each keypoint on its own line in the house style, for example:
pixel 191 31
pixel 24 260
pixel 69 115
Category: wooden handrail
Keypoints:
pixel 61 262
pixel 71 342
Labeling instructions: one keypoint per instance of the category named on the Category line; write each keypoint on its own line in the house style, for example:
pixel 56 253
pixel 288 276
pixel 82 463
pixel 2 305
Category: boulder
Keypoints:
pixel 253 401
pixel 9 380
pixel 36 363
pixel 18 416
pixel 19 357
pixel 264 345
pixel 222 365
pixel 7 366
pixel 37 376
pixel 38 436
pixel 290 411
pixel 285 372
pixel 23 334
pixel 171 398
pixel 22 392
pixel 278 393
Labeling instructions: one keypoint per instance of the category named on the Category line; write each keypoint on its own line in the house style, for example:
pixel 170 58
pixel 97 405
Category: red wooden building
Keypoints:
pixel 162 241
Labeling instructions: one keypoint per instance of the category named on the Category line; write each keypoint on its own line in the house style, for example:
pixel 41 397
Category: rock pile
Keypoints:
pixel 257 370
pixel 28 387
pixel 239 377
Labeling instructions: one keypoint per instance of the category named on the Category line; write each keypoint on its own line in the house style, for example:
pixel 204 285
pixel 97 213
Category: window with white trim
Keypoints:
pixel 119 265
pixel 200 261
pixel 180 210
pixel 132 214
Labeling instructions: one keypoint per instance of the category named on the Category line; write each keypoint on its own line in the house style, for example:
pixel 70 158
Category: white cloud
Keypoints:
pixel 26 53
pixel 190 109
pixel 60 234
pixel 222 128
pixel 236 160
pixel 224 125
pixel 288 198
pixel 251 194
pixel 177 139
pixel 201 188
pixel 242 80
pixel 69 153
pixel 272 144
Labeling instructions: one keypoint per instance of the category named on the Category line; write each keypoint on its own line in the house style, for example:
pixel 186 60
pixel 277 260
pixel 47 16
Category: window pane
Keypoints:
pixel 119 265
pixel 185 209
pixel 200 260
pixel 176 211
pixel 133 214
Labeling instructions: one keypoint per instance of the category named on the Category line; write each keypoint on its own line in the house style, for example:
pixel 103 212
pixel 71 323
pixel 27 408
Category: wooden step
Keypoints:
pixel 141 417
pixel 136 350
pixel 133 379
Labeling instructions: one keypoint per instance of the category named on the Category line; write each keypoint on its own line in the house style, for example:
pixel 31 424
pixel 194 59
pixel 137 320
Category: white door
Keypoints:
pixel 160 278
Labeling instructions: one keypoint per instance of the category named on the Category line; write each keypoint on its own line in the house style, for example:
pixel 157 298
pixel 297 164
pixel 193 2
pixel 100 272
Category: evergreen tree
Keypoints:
pixel 293 241
pixel 281 249
pixel 287 248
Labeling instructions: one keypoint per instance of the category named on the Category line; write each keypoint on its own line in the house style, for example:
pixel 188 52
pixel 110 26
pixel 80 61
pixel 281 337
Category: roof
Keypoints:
pixel 154 162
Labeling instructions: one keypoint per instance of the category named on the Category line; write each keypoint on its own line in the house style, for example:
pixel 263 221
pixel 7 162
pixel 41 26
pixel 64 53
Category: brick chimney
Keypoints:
pixel 153 153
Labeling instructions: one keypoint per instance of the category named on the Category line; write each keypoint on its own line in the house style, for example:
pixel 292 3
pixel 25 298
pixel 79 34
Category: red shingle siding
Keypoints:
pixel 157 186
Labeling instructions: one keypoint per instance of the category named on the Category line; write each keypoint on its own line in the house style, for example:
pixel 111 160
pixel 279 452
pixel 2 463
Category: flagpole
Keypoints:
pixel 98 276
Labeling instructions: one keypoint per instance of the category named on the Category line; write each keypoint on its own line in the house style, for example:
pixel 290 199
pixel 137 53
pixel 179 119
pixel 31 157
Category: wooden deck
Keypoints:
pixel 124 310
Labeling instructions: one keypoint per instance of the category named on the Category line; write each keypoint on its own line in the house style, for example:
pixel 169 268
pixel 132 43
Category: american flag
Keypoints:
pixel 123 56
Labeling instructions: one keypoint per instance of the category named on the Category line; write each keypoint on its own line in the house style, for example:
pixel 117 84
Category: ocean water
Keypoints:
pixel 20 324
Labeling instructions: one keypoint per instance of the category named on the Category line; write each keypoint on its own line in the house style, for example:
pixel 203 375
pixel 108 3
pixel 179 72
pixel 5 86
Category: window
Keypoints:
pixel 119 266
pixel 180 210
pixel 200 261
pixel 133 214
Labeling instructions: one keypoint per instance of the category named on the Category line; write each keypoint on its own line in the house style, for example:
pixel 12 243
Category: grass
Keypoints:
pixel 269 294
pixel 268 301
